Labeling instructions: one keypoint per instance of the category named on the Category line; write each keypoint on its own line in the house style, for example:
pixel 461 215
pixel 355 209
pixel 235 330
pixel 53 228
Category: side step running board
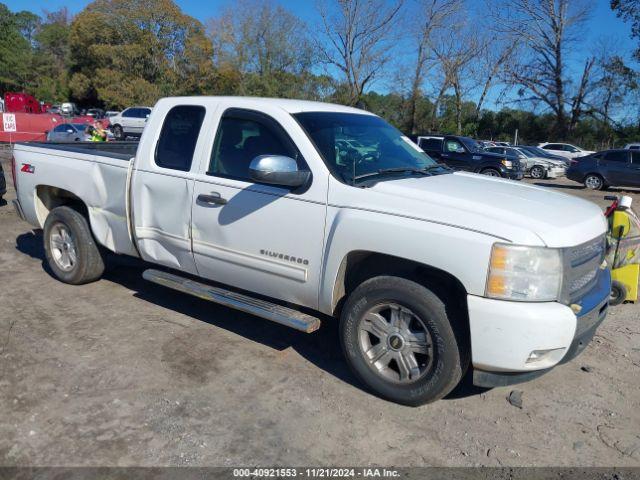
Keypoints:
pixel 260 308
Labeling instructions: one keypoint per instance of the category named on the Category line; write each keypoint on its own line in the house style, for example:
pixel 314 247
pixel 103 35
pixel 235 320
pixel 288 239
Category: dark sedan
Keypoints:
pixel 610 168
pixel 3 183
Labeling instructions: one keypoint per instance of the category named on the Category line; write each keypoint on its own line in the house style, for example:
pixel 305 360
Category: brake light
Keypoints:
pixel 13 173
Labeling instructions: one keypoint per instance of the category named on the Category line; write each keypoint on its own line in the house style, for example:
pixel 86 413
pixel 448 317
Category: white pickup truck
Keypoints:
pixel 300 211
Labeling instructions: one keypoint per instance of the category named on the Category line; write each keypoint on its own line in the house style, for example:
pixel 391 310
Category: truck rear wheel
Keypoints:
pixel 72 254
pixel 398 340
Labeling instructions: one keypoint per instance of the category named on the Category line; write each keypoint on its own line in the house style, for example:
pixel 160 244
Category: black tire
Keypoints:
pixel 491 172
pixel 538 172
pixel 118 132
pixel 618 293
pixel 449 344
pixel 593 181
pixel 88 265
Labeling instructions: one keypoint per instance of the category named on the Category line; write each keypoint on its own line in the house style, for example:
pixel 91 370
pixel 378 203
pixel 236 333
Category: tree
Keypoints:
pixel 358 41
pixel 456 55
pixel 613 85
pixel 134 51
pixel 15 51
pixel 494 55
pixel 629 11
pixel 267 46
pixel 51 57
pixel 546 30
pixel 430 16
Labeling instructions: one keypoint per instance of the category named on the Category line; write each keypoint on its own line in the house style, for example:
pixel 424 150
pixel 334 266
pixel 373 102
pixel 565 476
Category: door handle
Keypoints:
pixel 214 199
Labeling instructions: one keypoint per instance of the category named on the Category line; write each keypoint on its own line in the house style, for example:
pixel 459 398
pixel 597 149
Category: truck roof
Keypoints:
pixel 289 105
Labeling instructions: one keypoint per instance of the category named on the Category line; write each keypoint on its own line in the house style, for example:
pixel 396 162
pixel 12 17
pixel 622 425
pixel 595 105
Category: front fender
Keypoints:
pixel 461 252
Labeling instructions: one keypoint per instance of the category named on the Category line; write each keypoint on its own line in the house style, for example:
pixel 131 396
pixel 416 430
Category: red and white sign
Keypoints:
pixel 9 122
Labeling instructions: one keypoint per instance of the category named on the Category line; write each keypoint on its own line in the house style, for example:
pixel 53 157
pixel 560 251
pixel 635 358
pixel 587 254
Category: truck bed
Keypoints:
pixel 96 173
pixel 118 150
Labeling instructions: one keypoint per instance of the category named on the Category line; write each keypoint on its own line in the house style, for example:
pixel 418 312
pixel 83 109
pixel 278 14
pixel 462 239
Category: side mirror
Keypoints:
pixel 459 150
pixel 277 170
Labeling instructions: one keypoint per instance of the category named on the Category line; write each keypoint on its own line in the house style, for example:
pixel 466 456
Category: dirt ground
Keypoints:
pixel 123 372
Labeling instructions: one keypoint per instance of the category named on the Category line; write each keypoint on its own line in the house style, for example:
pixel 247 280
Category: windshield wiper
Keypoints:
pixel 437 165
pixel 382 171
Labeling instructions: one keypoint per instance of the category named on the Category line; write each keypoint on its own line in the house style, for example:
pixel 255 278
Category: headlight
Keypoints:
pixel 507 163
pixel 526 274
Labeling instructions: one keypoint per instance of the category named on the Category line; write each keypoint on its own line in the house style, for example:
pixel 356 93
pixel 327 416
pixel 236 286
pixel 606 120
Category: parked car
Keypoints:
pixel 69 109
pixel 427 271
pixel 111 113
pixel 541 152
pixel 565 149
pixel 536 167
pixel 130 122
pixel 619 168
pixel 3 183
pixel 464 153
pixel 69 132
pixel 96 113
pixel 632 146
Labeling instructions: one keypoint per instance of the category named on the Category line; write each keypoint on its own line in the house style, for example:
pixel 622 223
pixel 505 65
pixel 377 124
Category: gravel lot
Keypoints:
pixel 123 372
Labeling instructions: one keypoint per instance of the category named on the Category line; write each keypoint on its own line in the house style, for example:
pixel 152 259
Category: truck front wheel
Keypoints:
pixel 399 341
pixel 72 254
pixel 491 172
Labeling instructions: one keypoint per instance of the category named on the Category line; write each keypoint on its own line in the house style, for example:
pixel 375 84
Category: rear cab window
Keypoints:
pixel 433 144
pixel 179 136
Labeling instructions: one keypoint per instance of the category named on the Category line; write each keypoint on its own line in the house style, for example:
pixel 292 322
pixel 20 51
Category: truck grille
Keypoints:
pixel 581 267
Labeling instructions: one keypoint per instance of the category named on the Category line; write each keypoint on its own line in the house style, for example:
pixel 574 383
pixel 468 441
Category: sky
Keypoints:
pixel 603 21
pixel 603 24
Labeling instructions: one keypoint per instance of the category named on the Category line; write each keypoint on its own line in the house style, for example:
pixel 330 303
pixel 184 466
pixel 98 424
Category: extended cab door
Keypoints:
pixel 162 185
pixel 262 238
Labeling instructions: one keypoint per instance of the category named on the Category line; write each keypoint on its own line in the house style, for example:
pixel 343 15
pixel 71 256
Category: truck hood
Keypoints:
pixel 506 209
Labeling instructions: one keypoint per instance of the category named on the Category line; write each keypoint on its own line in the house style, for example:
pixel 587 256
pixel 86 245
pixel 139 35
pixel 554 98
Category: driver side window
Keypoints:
pixel 241 138
pixel 453 146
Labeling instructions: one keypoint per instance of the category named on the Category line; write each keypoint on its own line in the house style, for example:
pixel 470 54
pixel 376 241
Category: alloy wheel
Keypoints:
pixel 63 248
pixel 396 343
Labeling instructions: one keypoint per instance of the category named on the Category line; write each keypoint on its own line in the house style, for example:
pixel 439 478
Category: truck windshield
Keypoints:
pixel 471 144
pixel 357 147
